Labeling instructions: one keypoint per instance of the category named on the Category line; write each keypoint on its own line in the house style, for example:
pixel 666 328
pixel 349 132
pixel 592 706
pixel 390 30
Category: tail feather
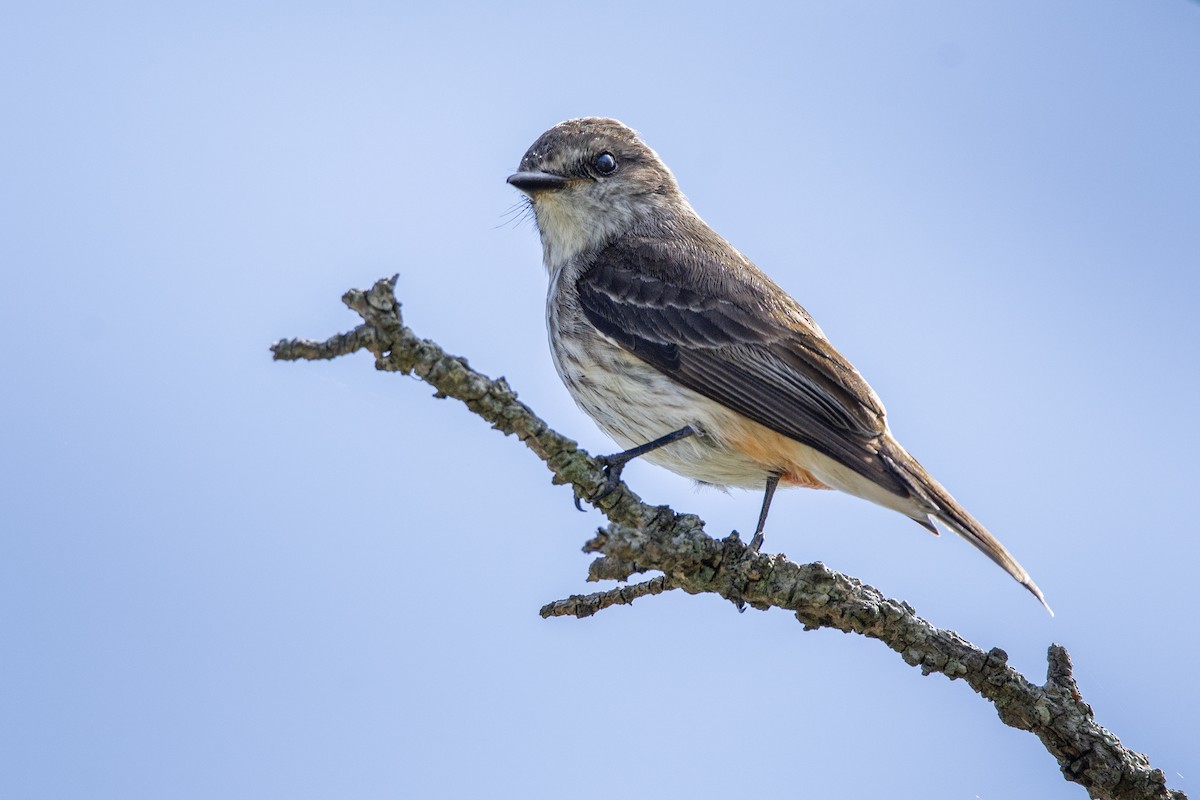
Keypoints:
pixel 945 508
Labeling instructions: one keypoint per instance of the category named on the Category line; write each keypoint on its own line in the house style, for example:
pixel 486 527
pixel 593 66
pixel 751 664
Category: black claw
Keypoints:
pixel 612 477
pixel 615 463
pixel 579 507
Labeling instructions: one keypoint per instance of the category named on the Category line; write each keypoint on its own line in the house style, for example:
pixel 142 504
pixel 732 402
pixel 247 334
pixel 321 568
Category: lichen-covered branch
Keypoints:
pixel 585 605
pixel 641 538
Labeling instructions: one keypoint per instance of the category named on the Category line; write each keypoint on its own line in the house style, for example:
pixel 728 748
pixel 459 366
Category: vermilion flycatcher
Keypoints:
pixel 683 351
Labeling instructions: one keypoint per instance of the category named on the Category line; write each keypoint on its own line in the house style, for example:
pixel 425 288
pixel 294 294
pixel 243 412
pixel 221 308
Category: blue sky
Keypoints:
pixel 225 577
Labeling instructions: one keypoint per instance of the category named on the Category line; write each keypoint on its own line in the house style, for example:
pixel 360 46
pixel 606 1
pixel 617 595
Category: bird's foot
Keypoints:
pixel 756 541
pixel 613 467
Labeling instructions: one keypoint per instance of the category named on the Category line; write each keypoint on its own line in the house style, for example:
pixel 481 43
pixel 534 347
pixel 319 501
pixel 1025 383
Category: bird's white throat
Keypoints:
pixel 576 221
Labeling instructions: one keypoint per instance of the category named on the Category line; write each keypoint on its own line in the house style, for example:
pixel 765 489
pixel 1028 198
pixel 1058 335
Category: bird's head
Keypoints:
pixel 590 180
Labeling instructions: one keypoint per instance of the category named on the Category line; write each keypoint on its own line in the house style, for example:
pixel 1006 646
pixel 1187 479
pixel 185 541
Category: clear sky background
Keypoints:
pixel 226 577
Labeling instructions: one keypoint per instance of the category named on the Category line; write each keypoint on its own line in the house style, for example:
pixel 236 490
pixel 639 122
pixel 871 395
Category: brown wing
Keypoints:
pixel 701 313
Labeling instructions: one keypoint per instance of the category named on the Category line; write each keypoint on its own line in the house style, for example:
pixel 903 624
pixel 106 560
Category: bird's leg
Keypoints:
pixel 614 464
pixel 757 540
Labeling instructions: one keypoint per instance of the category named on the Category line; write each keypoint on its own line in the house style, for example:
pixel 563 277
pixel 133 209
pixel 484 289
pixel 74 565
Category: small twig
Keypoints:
pixel 585 605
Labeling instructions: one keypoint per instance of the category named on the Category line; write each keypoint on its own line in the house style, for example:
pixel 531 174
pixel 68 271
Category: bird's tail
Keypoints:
pixel 938 503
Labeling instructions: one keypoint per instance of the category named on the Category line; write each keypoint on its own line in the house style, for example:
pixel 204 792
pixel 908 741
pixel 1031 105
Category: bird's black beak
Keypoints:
pixel 531 182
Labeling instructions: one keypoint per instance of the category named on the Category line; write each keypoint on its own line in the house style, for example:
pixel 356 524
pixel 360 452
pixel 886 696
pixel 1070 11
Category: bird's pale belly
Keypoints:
pixel 634 404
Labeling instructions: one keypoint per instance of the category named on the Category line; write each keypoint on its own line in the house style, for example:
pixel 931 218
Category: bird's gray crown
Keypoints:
pixel 570 149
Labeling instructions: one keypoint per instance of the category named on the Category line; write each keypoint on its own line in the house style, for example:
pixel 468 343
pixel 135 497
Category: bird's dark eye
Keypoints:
pixel 606 164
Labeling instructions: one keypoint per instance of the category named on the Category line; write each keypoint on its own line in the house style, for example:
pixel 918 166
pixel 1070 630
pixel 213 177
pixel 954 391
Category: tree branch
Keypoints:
pixel 585 605
pixel 640 537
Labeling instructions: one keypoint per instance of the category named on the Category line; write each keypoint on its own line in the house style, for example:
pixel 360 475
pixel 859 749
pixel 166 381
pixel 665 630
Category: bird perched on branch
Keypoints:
pixel 687 354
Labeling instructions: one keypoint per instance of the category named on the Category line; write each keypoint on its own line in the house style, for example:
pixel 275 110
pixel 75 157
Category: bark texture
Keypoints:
pixel 640 537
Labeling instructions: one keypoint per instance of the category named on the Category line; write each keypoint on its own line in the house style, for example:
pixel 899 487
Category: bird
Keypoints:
pixel 691 357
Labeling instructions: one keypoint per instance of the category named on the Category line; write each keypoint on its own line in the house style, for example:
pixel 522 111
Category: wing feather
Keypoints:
pixel 718 325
